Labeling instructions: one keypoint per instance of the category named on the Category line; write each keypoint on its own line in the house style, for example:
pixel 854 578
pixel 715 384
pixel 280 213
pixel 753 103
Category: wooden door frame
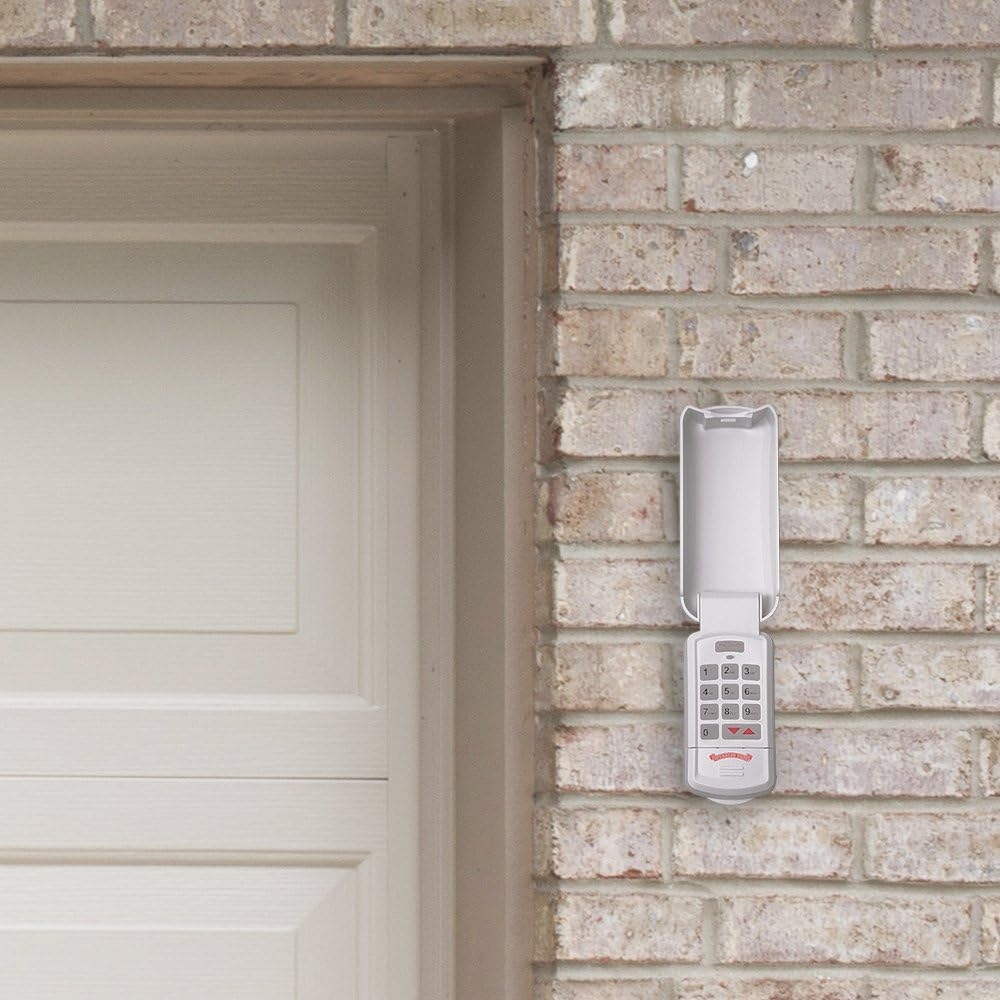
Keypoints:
pixel 477 366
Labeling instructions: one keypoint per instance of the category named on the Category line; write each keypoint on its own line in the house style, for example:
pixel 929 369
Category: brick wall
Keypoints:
pixel 807 222
pixel 780 200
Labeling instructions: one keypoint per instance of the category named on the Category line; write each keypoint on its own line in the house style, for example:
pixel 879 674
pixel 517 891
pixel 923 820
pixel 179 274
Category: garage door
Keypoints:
pixel 208 565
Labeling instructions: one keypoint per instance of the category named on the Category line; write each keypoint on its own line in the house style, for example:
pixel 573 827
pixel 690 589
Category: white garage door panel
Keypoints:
pixel 163 933
pixel 196 736
pixel 209 565
pixel 346 819
pixel 149 472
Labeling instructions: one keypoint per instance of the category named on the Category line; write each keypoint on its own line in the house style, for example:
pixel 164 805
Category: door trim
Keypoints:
pixel 477 318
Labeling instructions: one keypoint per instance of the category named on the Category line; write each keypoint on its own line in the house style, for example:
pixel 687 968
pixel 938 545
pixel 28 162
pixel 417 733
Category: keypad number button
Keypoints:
pixel 709 732
pixel 730 671
pixel 751 692
pixel 730 711
pixel 708 672
pixel 749 711
pixel 730 692
pixel 751 671
pixel 709 692
pixel 711 712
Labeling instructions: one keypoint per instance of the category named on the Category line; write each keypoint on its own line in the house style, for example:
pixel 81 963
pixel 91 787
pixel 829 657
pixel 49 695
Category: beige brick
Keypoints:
pixel 934 989
pixel 888 425
pixel 933 847
pixel 876 596
pixel 806 22
pixel 931 675
pixel 844 930
pixel 992 597
pixel 813 988
pixel 640 757
pixel 609 178
pixel 933 511
pixel 918 178
pixel 813 677
pixel 824 95
pixel 815 260
pixel 604 507
pixel 995 245
pixel 816 508
pixel 627 928
pixel 768 178
pixel 608 422
pixel 990 944
pixel 601 843
pixel 476 23
pixel 582 676
pixel 989 763
pixel 616 593
pixel 608 989
pixel 36 23
pixel 762 344
pixel 639 95
pixel 991 429
pixel 920 762
pixel 609 342
pixel 639 257
pixel 964 23
pixel 934 346
pixel 762 843
pixel 196 24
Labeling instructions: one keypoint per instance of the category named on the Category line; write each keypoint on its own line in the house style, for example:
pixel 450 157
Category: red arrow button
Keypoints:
pixel 748 732
pixel 733 729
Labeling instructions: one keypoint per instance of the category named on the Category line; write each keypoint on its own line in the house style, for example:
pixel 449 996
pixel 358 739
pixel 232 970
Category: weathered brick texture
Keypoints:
pixel 816 508
pixel 641 757
pixel 604 677
pixel 609 342
pixel 932 94
pixel 932 347
pixel 600 843
pixel 596 178
pixel 639 257
pixel 443 23
pixel 815 260
pixel 843 930
pixel 933 847
pixel 192 24
pixel 933 511
pixel 605 507
pixel 762 344
pixel 946 676
pixel 877 760
pixel 878 596
pixel 627 927
pixel 639 95
pixel 814 676
pixel 935 22
pixel 764 843
pixel 933 989
pixel 808 22
pixel 616 593
pixel 37 23
pixel 813 988
pixel 916 178
pixel 768 179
